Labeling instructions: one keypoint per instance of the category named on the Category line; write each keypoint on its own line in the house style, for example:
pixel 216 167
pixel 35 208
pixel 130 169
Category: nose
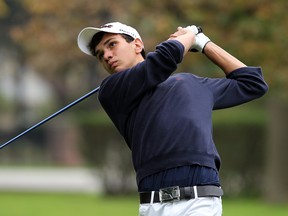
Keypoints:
pixel 107 55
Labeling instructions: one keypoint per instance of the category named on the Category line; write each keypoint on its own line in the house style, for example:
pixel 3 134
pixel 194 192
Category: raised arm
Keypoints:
pixel 192 39
pixel 216 54
pixel 221 58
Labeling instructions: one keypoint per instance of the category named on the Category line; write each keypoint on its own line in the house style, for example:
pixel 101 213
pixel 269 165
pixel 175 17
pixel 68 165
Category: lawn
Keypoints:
pixel 43 204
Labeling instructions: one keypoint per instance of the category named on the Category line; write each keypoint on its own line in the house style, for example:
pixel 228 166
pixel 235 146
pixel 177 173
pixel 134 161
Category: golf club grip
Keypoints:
pixel 200 30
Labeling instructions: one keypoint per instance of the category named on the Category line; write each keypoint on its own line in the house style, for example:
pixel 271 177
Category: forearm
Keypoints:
pixel 221 58
pixel 185 37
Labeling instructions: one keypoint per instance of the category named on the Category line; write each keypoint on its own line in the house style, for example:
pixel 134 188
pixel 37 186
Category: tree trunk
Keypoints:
pixel 276 179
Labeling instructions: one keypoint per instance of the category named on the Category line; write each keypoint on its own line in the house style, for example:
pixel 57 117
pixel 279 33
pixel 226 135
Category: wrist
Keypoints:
pixel 204 48
pixel 201 40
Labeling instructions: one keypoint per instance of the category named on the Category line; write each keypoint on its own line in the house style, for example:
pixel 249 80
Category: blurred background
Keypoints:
pixel 42 70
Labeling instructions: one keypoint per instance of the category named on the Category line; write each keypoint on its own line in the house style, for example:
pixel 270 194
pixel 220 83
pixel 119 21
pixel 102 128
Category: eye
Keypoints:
pixel 112 44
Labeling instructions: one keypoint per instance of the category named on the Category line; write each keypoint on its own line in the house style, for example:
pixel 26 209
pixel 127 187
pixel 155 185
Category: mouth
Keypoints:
pixel 113 64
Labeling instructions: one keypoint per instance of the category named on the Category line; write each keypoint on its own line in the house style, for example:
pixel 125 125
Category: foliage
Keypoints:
pixel 252 30
pixel 255 30
pixel 3 9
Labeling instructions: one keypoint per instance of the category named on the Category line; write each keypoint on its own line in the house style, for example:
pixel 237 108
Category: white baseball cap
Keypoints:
pixel 86 35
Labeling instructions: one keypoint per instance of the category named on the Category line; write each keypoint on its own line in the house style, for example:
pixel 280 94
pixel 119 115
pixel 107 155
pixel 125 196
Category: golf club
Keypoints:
pixel 62 110
pixel 51 116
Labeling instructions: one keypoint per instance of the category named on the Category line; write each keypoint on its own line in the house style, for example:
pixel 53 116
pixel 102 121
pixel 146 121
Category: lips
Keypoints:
pixel 112 64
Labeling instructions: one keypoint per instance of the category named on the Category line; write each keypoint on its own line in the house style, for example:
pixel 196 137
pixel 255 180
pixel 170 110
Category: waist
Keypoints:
pixel 176 193
pixel 170 160
pixel 182 176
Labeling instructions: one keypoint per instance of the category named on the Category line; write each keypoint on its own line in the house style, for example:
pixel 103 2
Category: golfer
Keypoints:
pixel 165 117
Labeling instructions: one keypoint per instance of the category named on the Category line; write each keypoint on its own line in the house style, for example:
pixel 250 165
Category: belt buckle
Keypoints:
pixel 169 194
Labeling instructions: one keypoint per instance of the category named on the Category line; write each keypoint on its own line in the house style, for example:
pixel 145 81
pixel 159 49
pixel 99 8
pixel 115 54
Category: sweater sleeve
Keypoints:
pixel 242 85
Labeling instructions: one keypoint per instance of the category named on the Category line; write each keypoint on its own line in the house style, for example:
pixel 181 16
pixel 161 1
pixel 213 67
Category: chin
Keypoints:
pixel 117 70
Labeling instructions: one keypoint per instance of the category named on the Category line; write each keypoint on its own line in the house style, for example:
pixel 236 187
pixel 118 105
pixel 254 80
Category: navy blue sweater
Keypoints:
pixel 165 119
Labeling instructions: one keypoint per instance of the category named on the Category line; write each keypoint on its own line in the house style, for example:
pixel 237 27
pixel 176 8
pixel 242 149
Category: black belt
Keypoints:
pixel 175 193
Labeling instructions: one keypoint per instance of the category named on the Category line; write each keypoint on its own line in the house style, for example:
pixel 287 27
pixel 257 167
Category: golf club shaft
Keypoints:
pixel 51 116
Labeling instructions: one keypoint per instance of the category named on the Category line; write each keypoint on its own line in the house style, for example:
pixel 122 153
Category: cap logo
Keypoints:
pixel 127 32
pixel 120 29
pixel 106 26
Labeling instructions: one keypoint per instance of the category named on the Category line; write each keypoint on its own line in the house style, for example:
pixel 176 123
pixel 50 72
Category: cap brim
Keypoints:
pixel 85 37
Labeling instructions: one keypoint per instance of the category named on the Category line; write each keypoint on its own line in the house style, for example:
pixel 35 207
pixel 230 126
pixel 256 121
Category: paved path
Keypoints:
pixel 49 179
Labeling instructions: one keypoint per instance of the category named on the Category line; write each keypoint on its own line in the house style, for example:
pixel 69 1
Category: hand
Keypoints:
pixel 184 36
pixel 200 40
pixel 194 29
pixel 180 31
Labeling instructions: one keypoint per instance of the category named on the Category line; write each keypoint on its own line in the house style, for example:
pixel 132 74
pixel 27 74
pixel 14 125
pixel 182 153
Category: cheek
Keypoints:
pixel 105 66
pixel 130 60
pixel 127 56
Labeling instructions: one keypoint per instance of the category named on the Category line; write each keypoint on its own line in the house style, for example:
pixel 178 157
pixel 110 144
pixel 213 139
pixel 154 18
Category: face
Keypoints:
pixel 116 54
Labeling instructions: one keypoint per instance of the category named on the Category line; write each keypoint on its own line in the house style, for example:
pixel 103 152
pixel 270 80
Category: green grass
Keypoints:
pixel 241 207
pixel 38 204
pixel 43 204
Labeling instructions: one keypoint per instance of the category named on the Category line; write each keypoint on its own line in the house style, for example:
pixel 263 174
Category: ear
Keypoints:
pixel 139 46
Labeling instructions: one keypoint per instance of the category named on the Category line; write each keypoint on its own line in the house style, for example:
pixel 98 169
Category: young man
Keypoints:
pixel 165 119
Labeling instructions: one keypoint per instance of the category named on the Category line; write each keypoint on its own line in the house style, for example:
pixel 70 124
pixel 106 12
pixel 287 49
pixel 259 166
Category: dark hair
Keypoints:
pixel 98 37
